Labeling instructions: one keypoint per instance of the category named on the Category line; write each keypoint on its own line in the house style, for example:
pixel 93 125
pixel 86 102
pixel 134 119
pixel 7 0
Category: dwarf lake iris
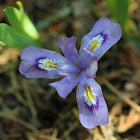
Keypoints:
pixel 78 70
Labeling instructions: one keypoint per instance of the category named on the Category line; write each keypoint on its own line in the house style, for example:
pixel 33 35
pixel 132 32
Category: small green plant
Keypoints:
pixel 22 32
pixel 119 9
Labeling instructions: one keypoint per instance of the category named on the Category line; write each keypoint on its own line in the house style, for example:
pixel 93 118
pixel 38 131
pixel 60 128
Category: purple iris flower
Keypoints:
pixel 77 69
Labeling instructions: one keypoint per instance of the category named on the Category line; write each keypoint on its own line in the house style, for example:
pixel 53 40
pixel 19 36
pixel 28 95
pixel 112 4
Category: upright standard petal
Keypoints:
pixel 91 71
pixel 65 85
pixel 91 104
pixel 40 63
pixel 88 62
pixel 68 47
pixel 67 69
pixel 103 35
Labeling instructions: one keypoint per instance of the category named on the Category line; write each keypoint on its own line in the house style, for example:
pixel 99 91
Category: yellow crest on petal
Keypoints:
pixel 47 64
pixel 96 42
pixel 90 97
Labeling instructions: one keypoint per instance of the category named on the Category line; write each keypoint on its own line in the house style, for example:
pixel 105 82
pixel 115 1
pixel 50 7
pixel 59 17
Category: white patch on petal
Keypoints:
pixel 90 96
pixel 47 64
pixel 95 42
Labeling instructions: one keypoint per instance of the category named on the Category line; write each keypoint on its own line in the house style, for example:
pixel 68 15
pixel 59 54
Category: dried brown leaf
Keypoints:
pixel 128 121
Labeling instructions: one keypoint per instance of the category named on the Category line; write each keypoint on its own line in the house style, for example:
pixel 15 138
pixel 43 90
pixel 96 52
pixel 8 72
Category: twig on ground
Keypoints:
pixel 20 121
pixel 29 98
pixel 111 75
pixel 15 87
pixel 54 134
pixel 97 135
pixel 46 134
pixel 121 96
pixel 67 132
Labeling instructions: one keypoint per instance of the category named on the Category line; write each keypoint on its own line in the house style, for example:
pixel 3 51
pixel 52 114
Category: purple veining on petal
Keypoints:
pixel 37 63
pixel 37 60
pixel 97 105
pixel 104 36
pixel 90 108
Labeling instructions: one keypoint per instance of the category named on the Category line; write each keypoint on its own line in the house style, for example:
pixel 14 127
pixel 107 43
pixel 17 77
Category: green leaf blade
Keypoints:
pixel 14 39
pixel 21 22
pixel 119 9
